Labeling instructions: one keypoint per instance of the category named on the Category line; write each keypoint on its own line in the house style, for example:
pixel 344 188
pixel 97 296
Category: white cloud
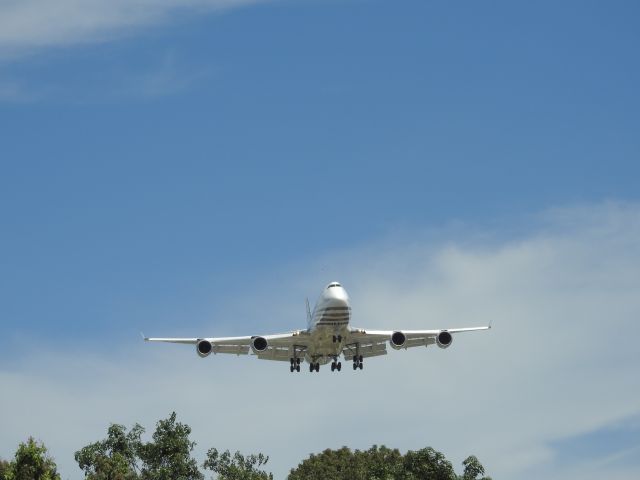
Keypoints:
pixel 561 361
pixel 26 25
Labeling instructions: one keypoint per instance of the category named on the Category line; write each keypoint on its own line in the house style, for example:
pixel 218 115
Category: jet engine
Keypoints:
pixel 398 340
pixel 444 339
pixel 204 348
pixel 259 344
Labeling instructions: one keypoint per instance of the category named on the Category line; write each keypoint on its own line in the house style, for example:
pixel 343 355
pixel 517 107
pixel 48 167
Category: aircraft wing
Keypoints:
pixel 371 343
pixel 276 347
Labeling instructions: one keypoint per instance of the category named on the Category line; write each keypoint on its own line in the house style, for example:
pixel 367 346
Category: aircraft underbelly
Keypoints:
pixel 322 348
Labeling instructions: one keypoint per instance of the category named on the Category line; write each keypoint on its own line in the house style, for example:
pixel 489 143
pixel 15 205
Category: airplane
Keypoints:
pixel 327 337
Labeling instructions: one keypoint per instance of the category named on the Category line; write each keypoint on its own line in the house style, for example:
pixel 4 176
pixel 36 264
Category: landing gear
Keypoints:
pixel 357 362
pixel 336 366
pixel 294 364
pixel 337 339
pixel 314 367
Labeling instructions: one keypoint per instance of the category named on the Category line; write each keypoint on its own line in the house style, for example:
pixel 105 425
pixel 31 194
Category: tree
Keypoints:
pixel 383 463
pixel 237 467
pixel 330 464
pixel 4 469
pixel 124 456
pixel 427 463
pixel 115 458
pixel 168 456
pixel 473 469
pixel 31 462
pixel 377 463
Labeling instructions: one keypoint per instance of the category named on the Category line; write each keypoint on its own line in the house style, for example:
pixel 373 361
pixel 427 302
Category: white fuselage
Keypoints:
pixel 330 318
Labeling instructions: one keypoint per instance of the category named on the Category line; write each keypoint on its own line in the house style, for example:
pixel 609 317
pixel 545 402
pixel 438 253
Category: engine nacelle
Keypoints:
pixel 259 344
pixel 444 339
pixel 204 348
pixel 398 339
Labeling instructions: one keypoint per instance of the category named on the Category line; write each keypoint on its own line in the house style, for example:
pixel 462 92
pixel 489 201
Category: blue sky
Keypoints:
pixel 165 169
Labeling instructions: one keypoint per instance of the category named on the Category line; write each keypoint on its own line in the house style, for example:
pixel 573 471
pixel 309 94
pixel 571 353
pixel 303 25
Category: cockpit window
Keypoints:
pixel 331 285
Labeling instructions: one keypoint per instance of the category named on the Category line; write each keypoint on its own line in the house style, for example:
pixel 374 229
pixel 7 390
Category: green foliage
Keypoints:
pixel 114 458
pixel 237 467
pixel 4 469
pixel 382 463
pixel 31 462
pixel 377 463
pixel 123 455
pixel 473 469
pixel 330 464
pixel 427 463
pixel 168 456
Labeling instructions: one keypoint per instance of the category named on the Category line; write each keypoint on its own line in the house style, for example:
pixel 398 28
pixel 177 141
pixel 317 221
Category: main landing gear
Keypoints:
pixel 295 364
pixel 314 367
pixel 337 339
pixel 357 362
pixel 336 366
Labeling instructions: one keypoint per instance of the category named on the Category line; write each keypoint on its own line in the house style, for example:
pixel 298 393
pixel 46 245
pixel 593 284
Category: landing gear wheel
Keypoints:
pixel 333 366
pixel 295 364
pixel 339 366
pixel 357 362
pixel 312 367
pixel 361 365
pixel 339 338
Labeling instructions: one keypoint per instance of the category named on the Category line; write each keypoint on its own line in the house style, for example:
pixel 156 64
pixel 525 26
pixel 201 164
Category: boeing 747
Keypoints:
pixel 327 337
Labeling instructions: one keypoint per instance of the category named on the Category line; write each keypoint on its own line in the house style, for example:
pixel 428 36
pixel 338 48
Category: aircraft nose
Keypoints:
pixel 338 302
pixel 338 297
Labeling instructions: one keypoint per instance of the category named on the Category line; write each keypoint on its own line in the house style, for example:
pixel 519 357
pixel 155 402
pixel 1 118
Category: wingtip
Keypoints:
pixel 146 339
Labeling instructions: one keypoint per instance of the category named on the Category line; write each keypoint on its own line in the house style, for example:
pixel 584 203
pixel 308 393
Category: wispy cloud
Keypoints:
pixel 161 74
pixel 561 360
pixel 28 25
pixel 167 77
pixel 15 92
